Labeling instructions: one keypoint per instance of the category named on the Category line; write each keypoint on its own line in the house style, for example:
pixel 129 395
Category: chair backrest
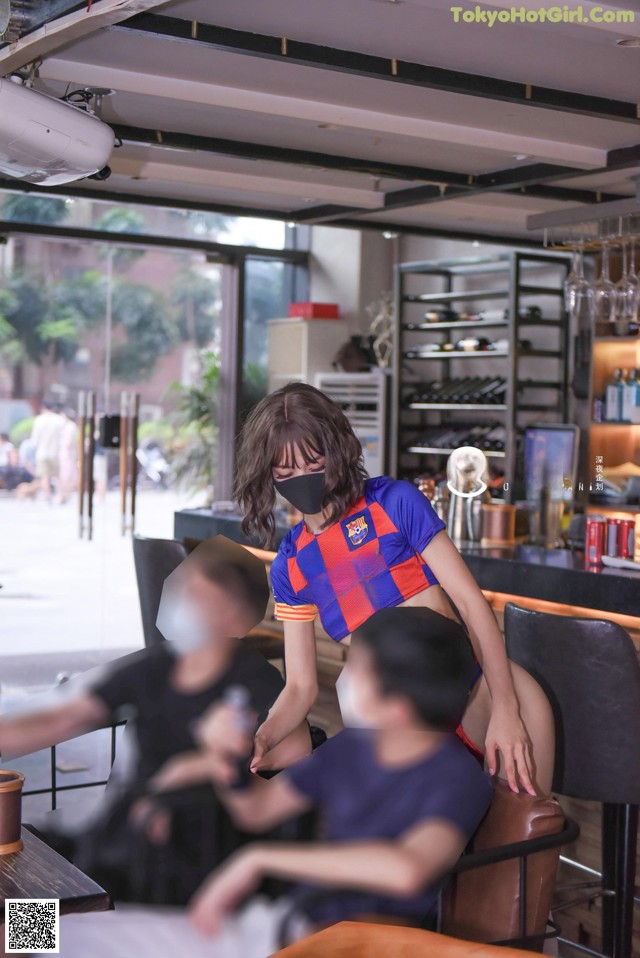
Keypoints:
pixel 590 672
pixel 154 559
pixel 483 904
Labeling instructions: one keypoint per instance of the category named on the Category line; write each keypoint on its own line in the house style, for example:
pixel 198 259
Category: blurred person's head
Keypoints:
pixel 4 438
pixel 218 593
pixel 409 667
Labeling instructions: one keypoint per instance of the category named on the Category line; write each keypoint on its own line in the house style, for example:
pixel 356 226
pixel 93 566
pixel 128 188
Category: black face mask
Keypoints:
pixel 306 493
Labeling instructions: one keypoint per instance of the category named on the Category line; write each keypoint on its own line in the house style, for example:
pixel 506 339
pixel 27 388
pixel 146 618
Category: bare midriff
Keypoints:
pixel 433 597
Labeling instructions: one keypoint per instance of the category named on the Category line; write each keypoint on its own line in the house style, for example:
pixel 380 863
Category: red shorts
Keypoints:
pixel 473 748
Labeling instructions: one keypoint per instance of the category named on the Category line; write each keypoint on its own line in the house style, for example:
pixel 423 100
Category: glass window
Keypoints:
pixel 135 218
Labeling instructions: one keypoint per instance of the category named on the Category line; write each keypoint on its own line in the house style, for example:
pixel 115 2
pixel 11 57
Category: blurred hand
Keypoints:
pixel 227 887
pixel 220 731
pixel 175 773
pixel 146 815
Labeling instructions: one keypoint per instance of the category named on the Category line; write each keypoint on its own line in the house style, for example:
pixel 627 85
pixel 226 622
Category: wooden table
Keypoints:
pixel 350 939
pixel 39 872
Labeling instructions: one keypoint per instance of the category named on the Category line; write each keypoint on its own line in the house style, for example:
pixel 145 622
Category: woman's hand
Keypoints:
pixel 225 890
pixel 507 735
pixel 260 749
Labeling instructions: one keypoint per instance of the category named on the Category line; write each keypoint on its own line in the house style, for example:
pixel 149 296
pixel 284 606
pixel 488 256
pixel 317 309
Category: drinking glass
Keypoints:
pixel 577 290
pixel 634 281
pixel 626 294
pixel 603 300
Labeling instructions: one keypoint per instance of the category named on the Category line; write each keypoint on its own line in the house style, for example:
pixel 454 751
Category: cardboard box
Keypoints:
pixel 314 311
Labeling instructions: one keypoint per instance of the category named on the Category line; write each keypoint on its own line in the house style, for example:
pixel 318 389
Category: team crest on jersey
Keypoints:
pixel 357 530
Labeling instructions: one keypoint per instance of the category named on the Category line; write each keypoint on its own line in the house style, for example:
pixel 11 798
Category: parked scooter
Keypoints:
pixel 153 464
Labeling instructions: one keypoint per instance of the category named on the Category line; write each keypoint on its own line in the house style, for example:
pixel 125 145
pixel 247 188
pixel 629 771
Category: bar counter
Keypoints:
pixel 531 572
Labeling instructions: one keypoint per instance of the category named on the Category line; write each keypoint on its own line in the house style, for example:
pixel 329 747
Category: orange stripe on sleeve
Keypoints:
pixel 295 613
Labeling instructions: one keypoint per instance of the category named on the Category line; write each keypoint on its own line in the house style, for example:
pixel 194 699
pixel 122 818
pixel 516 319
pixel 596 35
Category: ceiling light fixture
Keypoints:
pixel 327 126
pixel 630 42
pixel 521 156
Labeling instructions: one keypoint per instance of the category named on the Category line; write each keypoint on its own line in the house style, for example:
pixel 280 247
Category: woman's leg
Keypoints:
pixel 536 715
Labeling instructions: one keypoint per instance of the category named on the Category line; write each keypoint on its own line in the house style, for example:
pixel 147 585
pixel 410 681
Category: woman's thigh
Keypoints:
pixel 536 715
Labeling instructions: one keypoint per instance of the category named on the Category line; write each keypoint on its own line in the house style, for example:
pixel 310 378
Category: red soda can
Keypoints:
pixel 626 538
pixel 613 526
pixel 595 540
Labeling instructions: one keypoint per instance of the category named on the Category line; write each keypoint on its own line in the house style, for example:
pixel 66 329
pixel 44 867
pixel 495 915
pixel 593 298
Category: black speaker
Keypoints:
pixel 110 432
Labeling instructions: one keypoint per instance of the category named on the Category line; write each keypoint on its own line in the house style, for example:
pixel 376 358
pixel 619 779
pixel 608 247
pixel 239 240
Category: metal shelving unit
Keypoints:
pixel 517 273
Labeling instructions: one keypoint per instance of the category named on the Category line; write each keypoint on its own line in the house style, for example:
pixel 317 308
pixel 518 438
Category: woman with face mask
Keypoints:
pixel 365 544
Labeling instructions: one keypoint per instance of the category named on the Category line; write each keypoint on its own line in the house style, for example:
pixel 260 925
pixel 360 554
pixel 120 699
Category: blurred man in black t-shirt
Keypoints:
pixel 218 593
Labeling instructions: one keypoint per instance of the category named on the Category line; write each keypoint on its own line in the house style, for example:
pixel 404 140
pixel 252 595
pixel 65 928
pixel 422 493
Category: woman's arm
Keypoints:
pixel 399 868
pixel 298 695
pixel 506 731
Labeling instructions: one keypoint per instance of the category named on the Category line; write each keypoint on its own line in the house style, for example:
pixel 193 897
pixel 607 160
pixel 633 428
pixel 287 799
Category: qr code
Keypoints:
pixel 32 925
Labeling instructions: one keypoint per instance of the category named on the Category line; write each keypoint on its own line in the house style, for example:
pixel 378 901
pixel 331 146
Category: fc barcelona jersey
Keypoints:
pixel 368 560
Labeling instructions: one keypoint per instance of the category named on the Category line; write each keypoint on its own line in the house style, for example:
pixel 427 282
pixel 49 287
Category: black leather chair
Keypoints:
pixel 154 560
pixel 590 672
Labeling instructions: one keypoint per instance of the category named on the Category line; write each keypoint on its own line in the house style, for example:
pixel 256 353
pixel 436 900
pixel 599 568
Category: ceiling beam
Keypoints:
pixel 168 83
pixel 161 201
pixel 286 50
pixel 426 195
pixel 406 229
pixel 280 154
pixel 324 213
pixel 529 180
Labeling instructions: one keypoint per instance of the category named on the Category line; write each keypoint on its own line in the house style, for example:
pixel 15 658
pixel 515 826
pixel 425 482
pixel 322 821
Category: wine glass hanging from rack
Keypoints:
pixel 613 308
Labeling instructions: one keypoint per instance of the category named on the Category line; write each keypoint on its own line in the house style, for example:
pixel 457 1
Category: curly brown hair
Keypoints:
pixel 296 415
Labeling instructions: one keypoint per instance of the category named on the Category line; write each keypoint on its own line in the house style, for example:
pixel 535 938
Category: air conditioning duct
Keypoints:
pixel 19 17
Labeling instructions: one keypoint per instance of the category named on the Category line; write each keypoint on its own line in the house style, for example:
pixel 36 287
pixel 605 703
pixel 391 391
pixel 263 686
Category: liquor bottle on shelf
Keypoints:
pixel 613 397
pixel 493 391
pixel 441 316
pixel 629 396
pixel 481 390
pixel 532 314
pixel 465 390
pixel 598 406
pixel 461 390
pixel 447 391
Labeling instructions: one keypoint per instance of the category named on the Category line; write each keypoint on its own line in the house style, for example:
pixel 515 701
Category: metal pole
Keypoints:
pixel 82 465
pixel 124 438
pixel 107 332
pixel 91 415
pixel 133 440
pixel 230 383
